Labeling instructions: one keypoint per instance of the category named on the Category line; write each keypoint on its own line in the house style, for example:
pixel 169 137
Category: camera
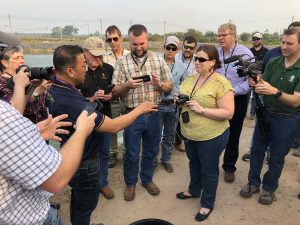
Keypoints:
pixel 182 99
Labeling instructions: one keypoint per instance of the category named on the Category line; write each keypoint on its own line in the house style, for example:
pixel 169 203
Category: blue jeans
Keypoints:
pixel 282 128
pixel 145 129
pixel 204 159
pixel 296 140
pixel 167 119
pixel 85 192
pixel 104 158
pixel 53 218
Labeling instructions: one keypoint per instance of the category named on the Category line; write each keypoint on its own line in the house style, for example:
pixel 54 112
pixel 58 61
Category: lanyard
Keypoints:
pixel 173 64
pixel 188 63
pixel 193 93
pixel 116 56
pixel 226 68
pixel 143 63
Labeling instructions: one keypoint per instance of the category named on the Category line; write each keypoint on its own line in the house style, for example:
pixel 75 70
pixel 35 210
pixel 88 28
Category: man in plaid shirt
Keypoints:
pixel 134 91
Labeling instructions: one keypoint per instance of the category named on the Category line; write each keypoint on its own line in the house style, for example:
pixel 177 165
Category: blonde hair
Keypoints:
pixel 228 26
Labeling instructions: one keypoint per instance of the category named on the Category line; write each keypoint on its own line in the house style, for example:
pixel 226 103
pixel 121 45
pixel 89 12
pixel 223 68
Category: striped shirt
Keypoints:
pixel 26 161
pixel 132 66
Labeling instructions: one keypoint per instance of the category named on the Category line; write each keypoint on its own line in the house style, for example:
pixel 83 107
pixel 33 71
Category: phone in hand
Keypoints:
pixel 145 78
pixel 109 89
pixel 91 107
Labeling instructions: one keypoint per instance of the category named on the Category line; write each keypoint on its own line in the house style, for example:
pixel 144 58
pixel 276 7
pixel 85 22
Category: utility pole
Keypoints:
pixel 101 35
pixel 88 29
pixel 10 27
pixel 61 33
pixel 293 18
pixel 164 31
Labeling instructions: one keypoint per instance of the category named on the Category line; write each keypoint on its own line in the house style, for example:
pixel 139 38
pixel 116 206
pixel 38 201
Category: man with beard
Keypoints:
pixel 133 91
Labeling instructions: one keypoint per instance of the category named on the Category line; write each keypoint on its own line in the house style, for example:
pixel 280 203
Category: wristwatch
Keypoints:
pixel 278 94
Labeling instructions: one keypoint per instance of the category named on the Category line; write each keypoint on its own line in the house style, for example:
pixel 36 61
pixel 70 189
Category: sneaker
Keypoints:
pixel 129 193
pixel 113 159
pixel 168 167
pixel 180 147
pixel 248 190
pixel 246 156
pixel 151 188
pixel 296 152
pixel 107 192
pixel 267 198
pixel 229 177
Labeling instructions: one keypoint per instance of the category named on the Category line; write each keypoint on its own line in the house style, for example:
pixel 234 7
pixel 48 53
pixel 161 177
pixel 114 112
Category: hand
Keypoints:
pixel 147 107
pixel 36 82
pixel 85 124
pixel 22 78
pixel 46 85
pixel 155 80
pixel 132 84
pixel 264 88
pixel 101 96
pixel 50 127
pixel 194 106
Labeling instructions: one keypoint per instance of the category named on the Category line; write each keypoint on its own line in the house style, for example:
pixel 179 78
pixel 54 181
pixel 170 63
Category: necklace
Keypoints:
pixel 8 74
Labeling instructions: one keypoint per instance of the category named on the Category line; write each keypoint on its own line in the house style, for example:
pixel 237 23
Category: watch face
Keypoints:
pixel 278 94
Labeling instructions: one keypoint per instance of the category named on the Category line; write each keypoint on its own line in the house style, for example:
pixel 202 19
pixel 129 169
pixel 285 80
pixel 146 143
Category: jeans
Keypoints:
pixel 167 119
pixel 144 129
pixel 104 159
pixel 204 167
pixel 282 128
pixel 115 111
pixel 296 139
pixel 85 192
pixel 53 218
pixel 236 124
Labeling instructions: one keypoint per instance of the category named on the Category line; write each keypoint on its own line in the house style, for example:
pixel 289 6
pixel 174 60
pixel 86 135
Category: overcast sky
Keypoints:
pixel 35 16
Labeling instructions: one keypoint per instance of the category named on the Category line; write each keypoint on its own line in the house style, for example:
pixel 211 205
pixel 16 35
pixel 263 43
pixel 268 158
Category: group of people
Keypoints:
pixel 193 101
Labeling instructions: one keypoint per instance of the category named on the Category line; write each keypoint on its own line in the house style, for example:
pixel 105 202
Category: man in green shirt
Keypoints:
pixel 280 87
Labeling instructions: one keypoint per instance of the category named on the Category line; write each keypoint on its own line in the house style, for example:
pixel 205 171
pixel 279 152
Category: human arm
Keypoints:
pixel 71 154
pixel 163 86
pixel 121 122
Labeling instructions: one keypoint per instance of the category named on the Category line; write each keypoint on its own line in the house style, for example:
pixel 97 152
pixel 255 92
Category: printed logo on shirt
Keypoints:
pixel 292 78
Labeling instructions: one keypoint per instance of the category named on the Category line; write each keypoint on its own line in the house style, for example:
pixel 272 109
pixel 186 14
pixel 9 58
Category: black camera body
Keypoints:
pixel 39 73
pixel 248 68
pixel 182 99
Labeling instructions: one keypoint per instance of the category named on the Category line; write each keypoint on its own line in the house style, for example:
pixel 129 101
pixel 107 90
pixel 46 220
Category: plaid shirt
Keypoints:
pixel 26 161
pixel 132 66
pixel 111 59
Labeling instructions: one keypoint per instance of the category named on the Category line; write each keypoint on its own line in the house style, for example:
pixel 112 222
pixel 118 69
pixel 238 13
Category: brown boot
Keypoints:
pixel 107 192
pixel 180 147
pixel 129 193
pixel 151 188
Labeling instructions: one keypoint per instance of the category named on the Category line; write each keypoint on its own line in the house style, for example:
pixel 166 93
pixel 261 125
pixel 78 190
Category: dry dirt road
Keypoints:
pixel 230 208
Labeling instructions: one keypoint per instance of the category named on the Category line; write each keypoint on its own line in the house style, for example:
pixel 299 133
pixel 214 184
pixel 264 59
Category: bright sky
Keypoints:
pixel 38 16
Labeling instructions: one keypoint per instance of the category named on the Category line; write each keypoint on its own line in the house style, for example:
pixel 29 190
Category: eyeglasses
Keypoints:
pixel 255 39
pixel 109 40
pixel 189 47
pixel 223 35
pixel 200 59
pixel 168 48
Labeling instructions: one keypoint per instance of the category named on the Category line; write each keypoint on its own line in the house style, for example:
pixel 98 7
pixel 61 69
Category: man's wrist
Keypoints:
pixel 161 84
pixel 278 94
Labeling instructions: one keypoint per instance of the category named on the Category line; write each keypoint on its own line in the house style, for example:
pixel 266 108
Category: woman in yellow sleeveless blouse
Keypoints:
pixel 205 127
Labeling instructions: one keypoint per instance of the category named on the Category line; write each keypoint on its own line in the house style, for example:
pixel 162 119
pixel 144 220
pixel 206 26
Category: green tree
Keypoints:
pixel 195 33
pixel 56 31
pixel 66 30
pixel 245 36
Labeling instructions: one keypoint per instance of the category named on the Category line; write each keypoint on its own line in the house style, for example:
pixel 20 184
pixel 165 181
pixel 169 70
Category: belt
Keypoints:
pixel 167 101
pixel 279 113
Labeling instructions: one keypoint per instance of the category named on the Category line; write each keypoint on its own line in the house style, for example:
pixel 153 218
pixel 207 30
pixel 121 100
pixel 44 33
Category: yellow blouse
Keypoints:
pixel 200 127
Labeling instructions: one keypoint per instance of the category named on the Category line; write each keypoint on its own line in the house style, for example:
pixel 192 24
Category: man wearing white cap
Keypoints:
pixel 167 109
pixel 98 77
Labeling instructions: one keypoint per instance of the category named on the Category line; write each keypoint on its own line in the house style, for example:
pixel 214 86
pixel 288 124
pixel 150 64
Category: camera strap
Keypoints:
pixel 192 93
pixel 136 63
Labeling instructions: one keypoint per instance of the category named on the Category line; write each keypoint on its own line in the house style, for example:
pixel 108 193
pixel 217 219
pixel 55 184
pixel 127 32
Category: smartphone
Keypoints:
pixel 109 89
pixel 145 78
pixel 91 107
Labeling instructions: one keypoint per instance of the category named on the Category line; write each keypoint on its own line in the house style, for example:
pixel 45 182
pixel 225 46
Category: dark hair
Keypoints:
pixel 112 29
pixel 292 31
pixel 66 55
pixel 294 24
pixel 137 30
pixel 190 40
pixel 7 53
pixel 212 53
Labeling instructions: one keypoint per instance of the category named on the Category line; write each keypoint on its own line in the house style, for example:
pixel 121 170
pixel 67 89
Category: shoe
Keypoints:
pixel 168 167
pixel 252 117
pixel 55 205
pixel 97 224
pixel 248 190
pixel 296 152
pixel 151 188
pixel 113 159
pixel 200 217
pixel 129 193
pixel 246 156
pixel 267 198
pixel 182 196
pixel 107 192
pixel 180 147
pixel 229 177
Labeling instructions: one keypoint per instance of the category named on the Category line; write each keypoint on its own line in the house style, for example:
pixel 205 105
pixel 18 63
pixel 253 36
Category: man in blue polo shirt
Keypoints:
pixel 65 98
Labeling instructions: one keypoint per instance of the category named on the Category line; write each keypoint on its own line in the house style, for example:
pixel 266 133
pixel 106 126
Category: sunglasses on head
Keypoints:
pixel 255 39
pixel 171 48
pixel 200 59
pixel 109 40
pixel 189 47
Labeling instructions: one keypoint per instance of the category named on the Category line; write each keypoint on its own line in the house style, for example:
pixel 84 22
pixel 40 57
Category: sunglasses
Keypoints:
pixel 109 40
pixel 174 49
pixel 200 59
pixel 255 39
pixel 189 47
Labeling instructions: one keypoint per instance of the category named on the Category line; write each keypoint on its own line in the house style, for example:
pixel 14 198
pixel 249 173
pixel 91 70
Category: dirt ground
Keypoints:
pixel 230 208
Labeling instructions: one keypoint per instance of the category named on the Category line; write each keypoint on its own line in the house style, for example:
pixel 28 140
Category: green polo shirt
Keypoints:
pixel 285 79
